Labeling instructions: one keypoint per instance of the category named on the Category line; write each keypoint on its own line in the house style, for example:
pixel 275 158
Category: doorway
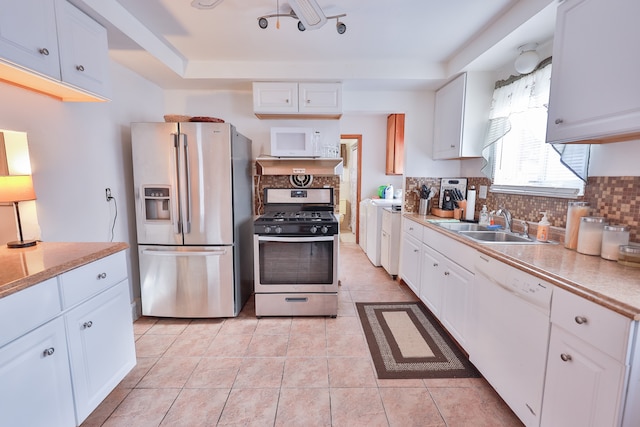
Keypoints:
pixel 350 151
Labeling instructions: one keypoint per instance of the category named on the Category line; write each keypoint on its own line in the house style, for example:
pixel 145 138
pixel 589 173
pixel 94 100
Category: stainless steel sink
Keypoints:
pixel 462 226
pixel 502 237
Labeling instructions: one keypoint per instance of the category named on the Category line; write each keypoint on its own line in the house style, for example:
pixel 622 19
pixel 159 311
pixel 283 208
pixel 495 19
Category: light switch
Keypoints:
pixel 482 192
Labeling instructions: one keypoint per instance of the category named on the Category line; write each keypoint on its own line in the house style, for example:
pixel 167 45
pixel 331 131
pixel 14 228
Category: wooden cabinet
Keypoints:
pixel 586 366
pixel 35 384
pixel 52 47
pixel 461 115
pixel 390 241
pixel 395 144
pixel 278 100
pixel 595 91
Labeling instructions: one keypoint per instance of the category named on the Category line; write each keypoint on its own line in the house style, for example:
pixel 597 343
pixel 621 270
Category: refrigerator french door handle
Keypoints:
pixel 188 178
pixel 157 252
pixel 177 228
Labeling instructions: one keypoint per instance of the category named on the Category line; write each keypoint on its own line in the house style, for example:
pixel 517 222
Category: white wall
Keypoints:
pixel 79 149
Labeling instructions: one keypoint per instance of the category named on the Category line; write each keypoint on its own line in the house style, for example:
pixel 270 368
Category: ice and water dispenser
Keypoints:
pixel 157 203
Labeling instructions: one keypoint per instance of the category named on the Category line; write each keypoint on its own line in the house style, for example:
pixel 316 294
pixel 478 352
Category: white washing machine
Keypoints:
pixel 374 209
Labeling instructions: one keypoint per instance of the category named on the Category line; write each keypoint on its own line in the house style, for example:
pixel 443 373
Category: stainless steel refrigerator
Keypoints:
pixel 193 198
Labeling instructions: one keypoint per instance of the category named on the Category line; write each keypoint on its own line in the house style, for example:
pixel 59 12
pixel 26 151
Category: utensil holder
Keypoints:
pixel 425 206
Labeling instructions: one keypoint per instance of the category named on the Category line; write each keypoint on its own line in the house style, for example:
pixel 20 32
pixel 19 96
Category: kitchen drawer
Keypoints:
pixel 27 309
pixel 459 253
pixel 604 329
pixel 412 228
pixel 91 279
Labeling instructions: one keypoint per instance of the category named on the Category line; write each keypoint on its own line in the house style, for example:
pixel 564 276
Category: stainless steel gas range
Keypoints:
pixel 296 245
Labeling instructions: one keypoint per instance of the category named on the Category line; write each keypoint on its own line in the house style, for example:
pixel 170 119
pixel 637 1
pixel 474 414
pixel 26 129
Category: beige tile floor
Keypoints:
pixel 296 371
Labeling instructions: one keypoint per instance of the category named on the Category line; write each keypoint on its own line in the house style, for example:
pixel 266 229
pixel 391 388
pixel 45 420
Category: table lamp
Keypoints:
pixel 14 189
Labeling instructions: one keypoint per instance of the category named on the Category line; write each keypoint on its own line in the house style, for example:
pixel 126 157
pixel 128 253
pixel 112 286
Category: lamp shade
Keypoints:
pixel 16 188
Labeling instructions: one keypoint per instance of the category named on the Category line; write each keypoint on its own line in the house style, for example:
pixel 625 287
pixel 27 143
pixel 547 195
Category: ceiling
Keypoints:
pixel 399 45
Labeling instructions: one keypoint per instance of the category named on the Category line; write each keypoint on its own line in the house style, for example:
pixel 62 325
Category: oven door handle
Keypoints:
pixel 293 239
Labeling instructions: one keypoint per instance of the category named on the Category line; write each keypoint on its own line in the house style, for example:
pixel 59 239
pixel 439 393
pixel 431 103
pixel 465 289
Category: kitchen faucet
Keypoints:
pixel 507 218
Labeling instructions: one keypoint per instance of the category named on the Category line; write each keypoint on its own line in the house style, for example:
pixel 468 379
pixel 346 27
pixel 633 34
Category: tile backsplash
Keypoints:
pixel 615 198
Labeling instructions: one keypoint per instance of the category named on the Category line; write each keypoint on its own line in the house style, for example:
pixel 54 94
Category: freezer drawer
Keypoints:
pixel 178 281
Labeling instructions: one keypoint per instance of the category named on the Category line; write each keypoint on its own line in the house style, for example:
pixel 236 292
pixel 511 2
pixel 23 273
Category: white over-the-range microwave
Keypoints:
pixel 293 142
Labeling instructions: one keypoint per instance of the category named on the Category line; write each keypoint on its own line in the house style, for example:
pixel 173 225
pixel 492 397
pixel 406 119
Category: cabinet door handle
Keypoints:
pixel 102 276
pixel 416 250
pixel 559 121
pixel 308 101
pixel 48 352
pixel 580 320
pixel 452 146
pixel 286 101
pixel 446 273
pixel 87 325
pixel 44 51
pixel 79 68
pixel 565 357
pixel 435 264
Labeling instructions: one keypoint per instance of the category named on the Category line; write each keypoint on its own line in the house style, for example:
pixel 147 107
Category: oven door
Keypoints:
pixel 296 264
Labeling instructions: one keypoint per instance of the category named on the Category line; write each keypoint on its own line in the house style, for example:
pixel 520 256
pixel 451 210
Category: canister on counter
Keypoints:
pixel 613 236
pixel 575 211
pixel 629 255
pixel 590 235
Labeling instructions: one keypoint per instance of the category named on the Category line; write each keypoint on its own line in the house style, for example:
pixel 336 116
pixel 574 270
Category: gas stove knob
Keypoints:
pixel 313 229
pixel 324 229
pixel 278 230
pixel 267 229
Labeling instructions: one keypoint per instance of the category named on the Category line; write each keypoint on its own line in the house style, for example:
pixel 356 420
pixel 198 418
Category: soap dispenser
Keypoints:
pixel 542 234
pixel 484 216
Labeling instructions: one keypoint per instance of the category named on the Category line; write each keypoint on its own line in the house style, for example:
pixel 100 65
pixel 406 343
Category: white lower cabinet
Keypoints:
pixel 583 384
pixel 35 386
pixel 587 365
pixel 390 241
pixel 431 285
pixel 101 346
pixel 410 254
pixel 442 284
pixel 58 364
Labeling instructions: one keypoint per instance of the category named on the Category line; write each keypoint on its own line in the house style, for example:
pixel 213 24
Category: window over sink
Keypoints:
pixel 517 157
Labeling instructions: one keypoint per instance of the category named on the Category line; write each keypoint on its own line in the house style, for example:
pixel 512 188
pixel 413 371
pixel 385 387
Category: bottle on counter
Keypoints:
pixel 484 216
pixel 388 192
pixel 542 234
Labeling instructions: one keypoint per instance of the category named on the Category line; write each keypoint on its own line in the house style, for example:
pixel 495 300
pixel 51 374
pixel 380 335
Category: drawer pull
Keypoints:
pixel 565 357
pixel 87 325
pixel 102 276
pixel 301 299
pixel 435 264
pixel 79 68
pixel 559 121
pixel 44 51
pixel 48 352
pixel 446 273
pixel 580 320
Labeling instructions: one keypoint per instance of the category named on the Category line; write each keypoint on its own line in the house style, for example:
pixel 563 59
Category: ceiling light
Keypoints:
pixel 528 59
pixel 309 13
pixel 205 4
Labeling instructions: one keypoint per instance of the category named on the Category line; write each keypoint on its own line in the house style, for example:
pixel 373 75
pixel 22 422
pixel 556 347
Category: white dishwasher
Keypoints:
pixel 511 337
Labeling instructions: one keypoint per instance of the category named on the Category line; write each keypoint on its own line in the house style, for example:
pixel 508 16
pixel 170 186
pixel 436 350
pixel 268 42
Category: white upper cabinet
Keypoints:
pixel 461 116
pixel 52 47
pixel 28 35
pixel 84 61
pixel 595 90
pixel 277 100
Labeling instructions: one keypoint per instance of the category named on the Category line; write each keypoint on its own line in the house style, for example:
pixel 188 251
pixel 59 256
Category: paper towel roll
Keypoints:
pixel 470 211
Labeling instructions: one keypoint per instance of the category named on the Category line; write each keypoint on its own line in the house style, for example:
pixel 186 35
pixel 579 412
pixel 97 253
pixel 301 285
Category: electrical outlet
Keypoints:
pixel 107 193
